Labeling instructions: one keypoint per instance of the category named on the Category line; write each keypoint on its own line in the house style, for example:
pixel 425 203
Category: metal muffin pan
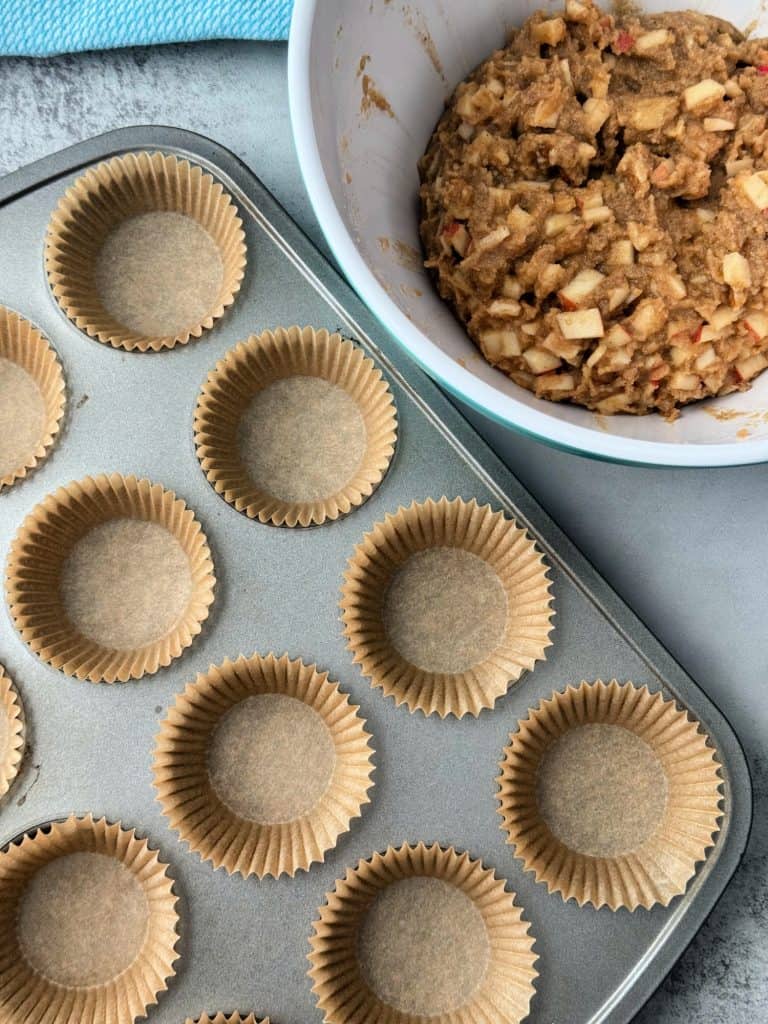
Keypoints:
pixel 244 942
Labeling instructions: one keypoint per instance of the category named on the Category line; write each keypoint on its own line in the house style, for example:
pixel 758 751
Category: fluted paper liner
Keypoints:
pixel 516 570
pixel 653 870
pixel 235 841
pixel 224 1018
pixel 108 196
pixel 26 994
pixel 501 994
pixel 37 561
pixel 24 345
pixel 12 748
pixel 248 371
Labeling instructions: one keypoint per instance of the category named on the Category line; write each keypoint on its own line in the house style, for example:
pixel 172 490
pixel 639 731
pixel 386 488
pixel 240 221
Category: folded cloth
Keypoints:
pixel 39 28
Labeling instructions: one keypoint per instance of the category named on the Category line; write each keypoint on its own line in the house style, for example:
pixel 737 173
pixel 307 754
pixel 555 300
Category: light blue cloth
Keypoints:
pixel 38 28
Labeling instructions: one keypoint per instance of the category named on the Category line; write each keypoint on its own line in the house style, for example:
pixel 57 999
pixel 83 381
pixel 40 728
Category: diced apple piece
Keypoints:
pixel 621 253
pixel 465 106
pixel 590 199
pixel 531 328
pixel 556 382
pixel 546 113
pixel 568 350
pixel 617 336
pixel 519 219
pixel 576 291
pixel 540 361
pixel 565 71
pixel 649 317
pixel 705 216
pixel 740 166
pixel 596 113
pixel 612 404
pixel 576 11
pixel 747 368
pixel 617 296
pixel 598 215
pixel 550 32
pixel 736 271
pixel 708 333
pixel 674 286
pixel 502 344
pixel 466 131
pixel 557 223
pixel 582 323
pixel 511 288
pixel 651 40
pixel 597 355
pixel 641 235
pixel 705 93
pixel 492 240
pixel 683 381
pixel 706 358
pixel 495 86
pixel 756 323
pixel 722 317
pixel 755 189
pixel 718 124
pixel 505 307
pixel 649 113
pixel 733 89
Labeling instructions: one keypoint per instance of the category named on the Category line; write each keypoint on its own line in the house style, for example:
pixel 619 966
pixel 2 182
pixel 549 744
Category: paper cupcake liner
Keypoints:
pixel 506 550
pixel 658 868
pixel 11 709
pixel 194 809
pixel 232 1018
pixel 249 369
pixel 23 344
pixel 501 995
pixel 26 994
pixel 108 195
pixel 40 550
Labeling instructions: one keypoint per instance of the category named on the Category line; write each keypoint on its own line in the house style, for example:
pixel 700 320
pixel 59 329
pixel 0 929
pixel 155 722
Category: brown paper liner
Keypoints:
pixel 39 552
pixel 659 868
pixel 23 344
pixel 26 995
pixel 10 758
pixel 107 196
pixel 232 1018
pixel 511 555
pixel 202 819
pixel 251 367
pixel 504 993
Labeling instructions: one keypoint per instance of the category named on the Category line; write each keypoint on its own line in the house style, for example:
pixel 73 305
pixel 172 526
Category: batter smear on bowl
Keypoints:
pixel 595 208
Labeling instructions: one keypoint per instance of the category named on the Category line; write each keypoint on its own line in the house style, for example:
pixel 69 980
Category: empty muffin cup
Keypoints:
pixel 32 397
pixel 445 604
pixel 610 795
pixel 261 765
pixel 422 933
pixel 109 578
pixel 11 732
pixel 88 925
pixel 227 1018
pixel 145 251
pixel 295 427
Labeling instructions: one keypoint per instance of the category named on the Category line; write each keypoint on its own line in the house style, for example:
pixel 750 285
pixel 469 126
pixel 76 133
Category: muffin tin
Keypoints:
pixel 244 942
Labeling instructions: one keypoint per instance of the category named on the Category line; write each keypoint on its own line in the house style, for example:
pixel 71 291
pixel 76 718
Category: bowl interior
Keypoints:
pixel 379 74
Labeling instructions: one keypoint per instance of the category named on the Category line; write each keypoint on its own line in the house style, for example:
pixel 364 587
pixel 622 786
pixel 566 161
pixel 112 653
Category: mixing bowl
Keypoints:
pixel 368 80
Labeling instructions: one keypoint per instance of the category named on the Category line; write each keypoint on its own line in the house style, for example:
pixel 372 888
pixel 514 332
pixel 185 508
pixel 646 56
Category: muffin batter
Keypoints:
pixel 594 208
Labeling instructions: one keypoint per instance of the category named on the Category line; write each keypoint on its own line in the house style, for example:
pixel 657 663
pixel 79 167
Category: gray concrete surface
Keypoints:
pixel 687 549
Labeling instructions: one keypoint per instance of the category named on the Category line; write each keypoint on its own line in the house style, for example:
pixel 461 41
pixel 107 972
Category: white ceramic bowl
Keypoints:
pixel 358 157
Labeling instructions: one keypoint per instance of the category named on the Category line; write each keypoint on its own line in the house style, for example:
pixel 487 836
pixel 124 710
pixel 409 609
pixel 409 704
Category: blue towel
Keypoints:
pixel 39 28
